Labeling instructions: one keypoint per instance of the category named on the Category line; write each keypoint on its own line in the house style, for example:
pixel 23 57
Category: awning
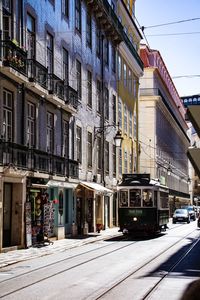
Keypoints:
pixel 62 184
pixel 95 186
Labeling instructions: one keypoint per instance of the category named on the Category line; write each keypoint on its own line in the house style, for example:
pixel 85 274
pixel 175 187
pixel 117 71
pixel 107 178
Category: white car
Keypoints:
pixel 181 215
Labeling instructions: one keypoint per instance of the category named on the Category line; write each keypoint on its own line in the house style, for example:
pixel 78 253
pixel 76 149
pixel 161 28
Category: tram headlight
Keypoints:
pixel 135 219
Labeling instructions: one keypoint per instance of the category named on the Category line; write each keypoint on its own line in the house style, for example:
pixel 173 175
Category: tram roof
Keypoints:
pixel 140 180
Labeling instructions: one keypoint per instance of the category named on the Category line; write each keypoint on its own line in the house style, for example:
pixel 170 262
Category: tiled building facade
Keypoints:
pixel 59 96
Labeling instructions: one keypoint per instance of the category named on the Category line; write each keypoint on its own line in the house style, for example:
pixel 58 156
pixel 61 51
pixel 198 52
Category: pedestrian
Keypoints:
pixel 192 292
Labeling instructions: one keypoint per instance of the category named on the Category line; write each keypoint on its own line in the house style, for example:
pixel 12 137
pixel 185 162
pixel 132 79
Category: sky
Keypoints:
pixel 181 53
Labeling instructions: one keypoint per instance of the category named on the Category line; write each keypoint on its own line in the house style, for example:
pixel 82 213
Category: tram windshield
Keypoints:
pixel 136 198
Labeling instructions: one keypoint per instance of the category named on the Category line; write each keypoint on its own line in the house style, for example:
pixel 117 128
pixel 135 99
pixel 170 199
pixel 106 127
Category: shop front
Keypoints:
pixel 12 198
pixel 92 207
pixel 49 209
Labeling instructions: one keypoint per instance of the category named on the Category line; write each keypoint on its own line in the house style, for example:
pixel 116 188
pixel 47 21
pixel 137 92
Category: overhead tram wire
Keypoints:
pixel 175 34
pixel 169 23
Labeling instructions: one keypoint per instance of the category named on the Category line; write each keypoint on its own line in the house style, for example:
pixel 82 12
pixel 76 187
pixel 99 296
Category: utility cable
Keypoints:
pixel 169 23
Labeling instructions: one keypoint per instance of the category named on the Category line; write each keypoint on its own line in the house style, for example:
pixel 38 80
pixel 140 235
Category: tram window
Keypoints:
pixel 123 199
pixel 147 198
pixel 135 198
pixel 155 198
pixel 164 203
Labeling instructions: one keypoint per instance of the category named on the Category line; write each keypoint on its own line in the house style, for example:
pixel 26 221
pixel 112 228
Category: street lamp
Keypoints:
pixel 117 138
pixel 169 171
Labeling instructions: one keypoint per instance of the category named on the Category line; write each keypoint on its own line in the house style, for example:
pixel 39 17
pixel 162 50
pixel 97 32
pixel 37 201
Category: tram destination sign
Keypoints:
pixel 135 179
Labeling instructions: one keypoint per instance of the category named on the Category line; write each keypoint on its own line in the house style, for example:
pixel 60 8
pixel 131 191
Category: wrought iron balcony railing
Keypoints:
pixel 71 97
pixel 30 159
pixel 37 73
pixel 62 90
pixel 13 56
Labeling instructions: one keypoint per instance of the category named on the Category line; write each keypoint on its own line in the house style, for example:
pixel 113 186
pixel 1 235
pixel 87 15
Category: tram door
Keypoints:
pixel 7 214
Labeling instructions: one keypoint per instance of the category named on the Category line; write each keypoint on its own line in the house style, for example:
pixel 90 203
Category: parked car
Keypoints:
pixel 181 215
pixel 191 210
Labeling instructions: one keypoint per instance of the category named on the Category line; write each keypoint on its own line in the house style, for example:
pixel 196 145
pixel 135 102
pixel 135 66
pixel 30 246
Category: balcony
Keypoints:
pixel 30 159
pixel 63 91
pixel 37 73
pixel 112 26
pixel 13 56
pixel 71 97
pixel 107 19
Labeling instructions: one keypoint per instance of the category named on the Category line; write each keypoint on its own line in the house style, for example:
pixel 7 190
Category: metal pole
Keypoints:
pixel 103 109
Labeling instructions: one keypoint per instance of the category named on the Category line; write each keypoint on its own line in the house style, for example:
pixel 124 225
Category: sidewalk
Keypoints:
pixel 16 256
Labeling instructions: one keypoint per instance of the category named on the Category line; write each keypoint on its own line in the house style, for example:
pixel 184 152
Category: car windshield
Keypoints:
pixel 180 211
pixel 189 207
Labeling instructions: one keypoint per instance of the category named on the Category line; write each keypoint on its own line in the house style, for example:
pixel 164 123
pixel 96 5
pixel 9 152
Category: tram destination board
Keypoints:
pixel 132 179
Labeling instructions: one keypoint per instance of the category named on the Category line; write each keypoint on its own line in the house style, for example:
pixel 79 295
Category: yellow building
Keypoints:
pixel 130 69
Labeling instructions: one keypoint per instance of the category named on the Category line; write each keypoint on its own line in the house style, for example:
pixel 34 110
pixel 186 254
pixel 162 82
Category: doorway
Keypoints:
pixel 7 214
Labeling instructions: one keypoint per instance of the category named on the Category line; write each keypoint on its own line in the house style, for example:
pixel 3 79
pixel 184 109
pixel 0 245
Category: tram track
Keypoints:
pixel 33 277
pixel 104 294
pixel 59 264
pixel 163 277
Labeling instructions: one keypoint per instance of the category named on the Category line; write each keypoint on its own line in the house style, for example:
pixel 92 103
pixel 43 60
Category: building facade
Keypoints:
pixel 59 89
pixel 38 104
pixel 130 69
pixel 163 129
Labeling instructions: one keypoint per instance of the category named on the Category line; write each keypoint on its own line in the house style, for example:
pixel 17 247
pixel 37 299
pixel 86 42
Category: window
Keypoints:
pixel 50 132
pixel 125 75
pixel 89 30
pixel 98 42
pixel 120 112
pixel 135 198
pixel 131 162
pixel 125 119
pixel 106 52
pixel 113 6
pixel 106 156
pixel 50 53
pixel 120 161
pixel 78 15
pixel 125 30
pixel 114 109
pixel 114 160
pixel 98 96
pixel 89 86
pixel 6 27
pixel 65 66
pixel 66 139
pixel 123 199
pixel 135 125
pixel 89 149
pixel 7 130
pixel 99 156
pixel 119 67
pixel 78 78
pixel 113 59
pixel 7 5
pixel 31 36
pixel 79 143
pixel 134 88
pixel 106 107
pixel 31 124
pixel 133 10
pixel 125 162
pixel 65 8
pixel 130 123
pixel 129 80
